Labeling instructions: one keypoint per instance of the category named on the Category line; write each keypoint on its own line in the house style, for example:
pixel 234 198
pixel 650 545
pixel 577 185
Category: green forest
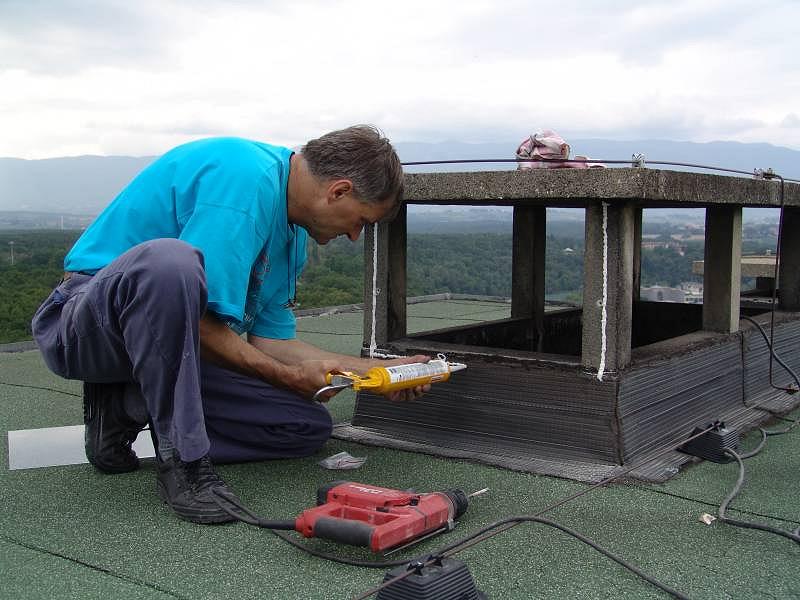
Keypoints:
pixel 475 263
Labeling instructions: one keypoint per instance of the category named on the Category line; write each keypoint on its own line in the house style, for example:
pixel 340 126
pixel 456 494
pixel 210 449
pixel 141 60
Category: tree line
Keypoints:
pixel 475 263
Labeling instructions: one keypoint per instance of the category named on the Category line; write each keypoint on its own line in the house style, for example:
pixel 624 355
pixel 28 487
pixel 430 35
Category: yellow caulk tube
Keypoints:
pixel 382 380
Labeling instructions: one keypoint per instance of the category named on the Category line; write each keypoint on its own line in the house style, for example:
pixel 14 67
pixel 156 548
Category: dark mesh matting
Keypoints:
pixel 485 452
pixel 659 403
pixel 560 422
pixel 519 410
pixel 481 449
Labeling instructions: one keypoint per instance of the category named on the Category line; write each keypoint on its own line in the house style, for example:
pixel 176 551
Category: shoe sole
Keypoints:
pixel 201 516
pixel 108 469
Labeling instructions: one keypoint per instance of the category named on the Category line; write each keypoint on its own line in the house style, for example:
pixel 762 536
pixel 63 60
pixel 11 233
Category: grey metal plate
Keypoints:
pixel 56 446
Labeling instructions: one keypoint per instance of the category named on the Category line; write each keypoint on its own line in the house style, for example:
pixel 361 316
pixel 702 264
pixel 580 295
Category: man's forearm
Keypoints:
pixel 292 352
pixel 221 346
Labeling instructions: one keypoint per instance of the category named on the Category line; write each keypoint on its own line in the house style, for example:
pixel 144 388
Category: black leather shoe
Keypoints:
pixel 109 431
pixel 193 490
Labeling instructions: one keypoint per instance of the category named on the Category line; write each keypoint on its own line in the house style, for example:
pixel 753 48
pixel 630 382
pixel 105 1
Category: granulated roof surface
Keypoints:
pixel 71 532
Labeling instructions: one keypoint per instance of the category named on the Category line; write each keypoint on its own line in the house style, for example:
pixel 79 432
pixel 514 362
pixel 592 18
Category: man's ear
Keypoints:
pixel 339 188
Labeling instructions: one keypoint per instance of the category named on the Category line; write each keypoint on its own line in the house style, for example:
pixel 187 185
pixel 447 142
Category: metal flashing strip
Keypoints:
pixel 58 446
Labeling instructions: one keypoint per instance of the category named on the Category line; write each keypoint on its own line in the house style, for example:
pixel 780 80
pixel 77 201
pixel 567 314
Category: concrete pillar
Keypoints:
pixel 722 270
pixel 789 270
pixel 390 280
pixel 608 286
pixel 527 267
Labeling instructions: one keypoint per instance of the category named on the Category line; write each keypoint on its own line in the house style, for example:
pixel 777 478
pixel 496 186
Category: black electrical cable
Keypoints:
pixel 780 361
pixel 369 564
pixel 549 522
pixel 651 490
pixel 779 417
pixel 247 516
pixel 775 284
pixel 39 387
pixel 243 514
pixel 460 545
pixel 747 524
pixel 453 548
pixel 759 447
pixel 765 433
pixel 222 499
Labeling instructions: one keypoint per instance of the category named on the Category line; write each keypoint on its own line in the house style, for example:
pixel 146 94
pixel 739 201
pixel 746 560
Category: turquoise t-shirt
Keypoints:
pixel 227 198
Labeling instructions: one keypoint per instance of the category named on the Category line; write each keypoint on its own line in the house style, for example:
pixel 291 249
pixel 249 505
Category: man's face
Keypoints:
pixel 344 214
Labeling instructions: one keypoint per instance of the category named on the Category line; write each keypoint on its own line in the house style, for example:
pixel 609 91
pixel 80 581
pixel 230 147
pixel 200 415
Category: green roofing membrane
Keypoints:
pixel 71 532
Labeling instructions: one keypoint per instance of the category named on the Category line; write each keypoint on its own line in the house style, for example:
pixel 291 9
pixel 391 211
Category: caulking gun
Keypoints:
pixel 382 380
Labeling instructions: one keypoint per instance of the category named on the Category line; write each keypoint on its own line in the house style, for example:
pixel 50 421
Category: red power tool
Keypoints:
pixel 379 518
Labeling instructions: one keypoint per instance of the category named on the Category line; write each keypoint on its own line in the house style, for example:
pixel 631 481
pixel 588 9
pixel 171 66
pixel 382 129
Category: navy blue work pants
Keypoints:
pixel 136 320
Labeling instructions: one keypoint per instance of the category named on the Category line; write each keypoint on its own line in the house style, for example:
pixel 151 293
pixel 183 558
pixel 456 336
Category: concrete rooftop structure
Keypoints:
pixel 581 392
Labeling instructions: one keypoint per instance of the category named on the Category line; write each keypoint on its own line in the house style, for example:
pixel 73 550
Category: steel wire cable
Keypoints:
pixel 458 161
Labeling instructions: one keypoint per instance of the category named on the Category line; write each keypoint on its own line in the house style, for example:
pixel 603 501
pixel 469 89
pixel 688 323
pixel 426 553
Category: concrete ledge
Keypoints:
pixel 343 308
pixel 572 187
pixel 19 346
pixel 752 266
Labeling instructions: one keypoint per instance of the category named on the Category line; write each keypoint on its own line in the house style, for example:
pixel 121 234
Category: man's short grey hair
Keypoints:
pixel 361 154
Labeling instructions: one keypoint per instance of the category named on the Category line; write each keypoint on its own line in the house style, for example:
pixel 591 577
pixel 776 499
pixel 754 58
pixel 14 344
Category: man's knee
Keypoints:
pixel 164 269
pixel 167 257
pixel 314 433
pixel 302 437
pixel 235 441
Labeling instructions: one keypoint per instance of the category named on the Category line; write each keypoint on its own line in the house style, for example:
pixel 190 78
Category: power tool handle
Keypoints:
pixel 345 531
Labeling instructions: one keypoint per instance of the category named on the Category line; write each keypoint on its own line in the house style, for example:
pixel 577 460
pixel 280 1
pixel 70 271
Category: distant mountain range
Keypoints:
pixel 81 186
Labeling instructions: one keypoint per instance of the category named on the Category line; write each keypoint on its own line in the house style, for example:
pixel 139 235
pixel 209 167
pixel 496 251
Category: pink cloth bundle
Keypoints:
pixel 552 148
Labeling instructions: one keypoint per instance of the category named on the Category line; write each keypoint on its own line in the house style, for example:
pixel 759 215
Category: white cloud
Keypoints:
pixel 116 77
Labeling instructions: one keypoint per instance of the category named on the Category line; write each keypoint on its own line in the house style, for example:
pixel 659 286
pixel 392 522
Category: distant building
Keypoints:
pixel 652 244
pixel 693 292
pixel 660 293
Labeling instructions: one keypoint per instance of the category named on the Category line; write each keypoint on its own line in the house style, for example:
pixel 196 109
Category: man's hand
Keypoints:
pixel 411 393
pixel 309 376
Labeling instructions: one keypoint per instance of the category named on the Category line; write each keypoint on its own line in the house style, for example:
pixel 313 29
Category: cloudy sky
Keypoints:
pixel 139 76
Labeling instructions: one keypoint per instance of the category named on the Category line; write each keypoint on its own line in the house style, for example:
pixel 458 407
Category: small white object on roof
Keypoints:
pixel 707 518
pixel 342 461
